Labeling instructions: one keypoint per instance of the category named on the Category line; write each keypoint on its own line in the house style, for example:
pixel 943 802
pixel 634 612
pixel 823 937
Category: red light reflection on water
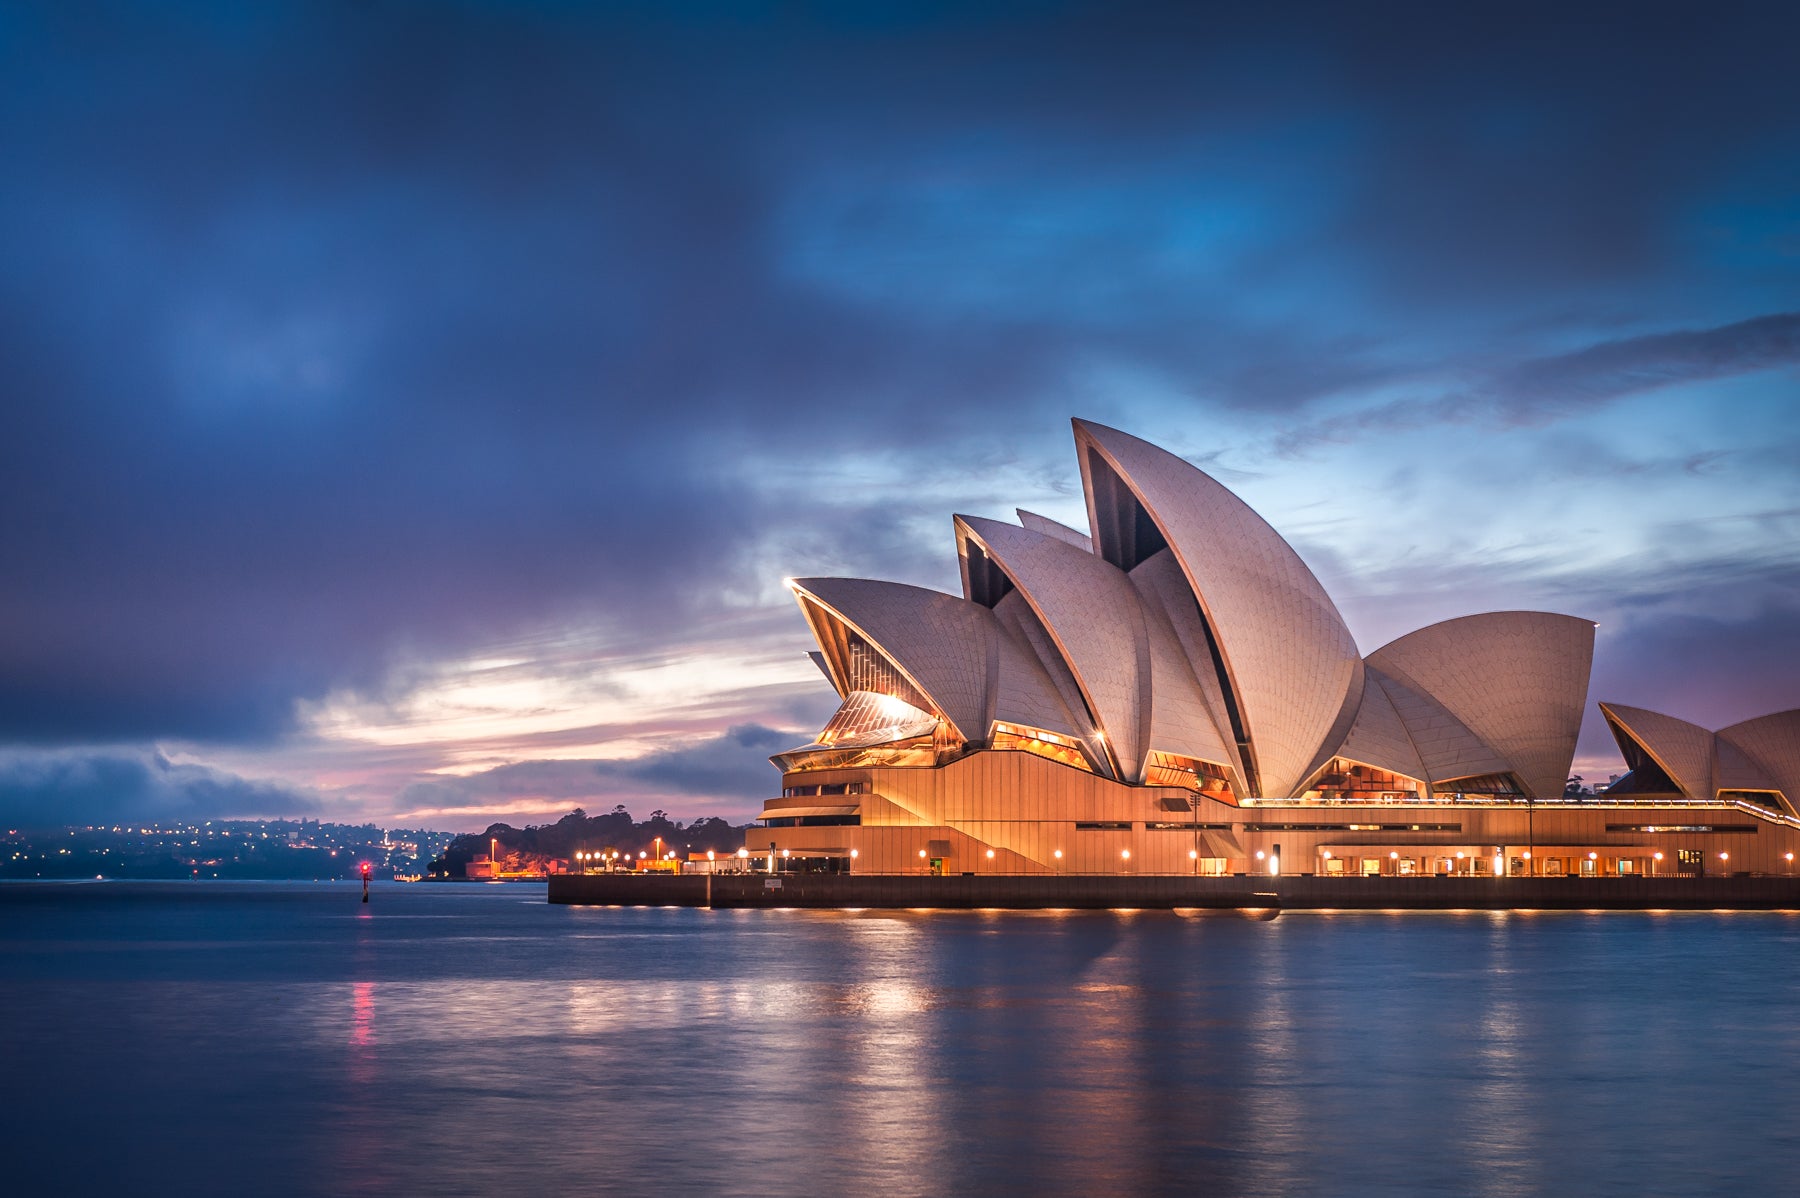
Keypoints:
pixel 362 1024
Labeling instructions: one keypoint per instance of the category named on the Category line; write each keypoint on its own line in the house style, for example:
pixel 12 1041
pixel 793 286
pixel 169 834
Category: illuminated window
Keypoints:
pixel 1344 779
pixel 1170 769
pixel 1059 748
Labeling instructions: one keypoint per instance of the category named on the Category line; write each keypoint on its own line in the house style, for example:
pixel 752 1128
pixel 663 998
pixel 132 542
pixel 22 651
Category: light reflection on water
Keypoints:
pixel 282 1039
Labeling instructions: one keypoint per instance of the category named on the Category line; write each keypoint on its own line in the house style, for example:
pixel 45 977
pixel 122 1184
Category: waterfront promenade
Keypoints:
pixel 1162 891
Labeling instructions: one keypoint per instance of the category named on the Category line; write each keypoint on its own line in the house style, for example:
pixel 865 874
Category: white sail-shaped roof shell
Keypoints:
pixel 1681 750
pixel 1447 748
pixel 960 658
pixel 1291 666
pixel 1379 736
pixel 1188 711
pixel 1035 688
pixel 1187 626
pixel 1734 769
pixel 1091 613
pixel 1518 680
pixel 1772 742
pixel 1052 528
pixel 942 644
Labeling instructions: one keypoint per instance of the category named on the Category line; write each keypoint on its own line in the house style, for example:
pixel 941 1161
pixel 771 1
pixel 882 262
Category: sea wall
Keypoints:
pixel 1168 891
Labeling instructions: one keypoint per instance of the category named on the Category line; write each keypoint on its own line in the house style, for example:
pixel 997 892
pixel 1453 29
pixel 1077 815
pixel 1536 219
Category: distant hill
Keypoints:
pixel 615 831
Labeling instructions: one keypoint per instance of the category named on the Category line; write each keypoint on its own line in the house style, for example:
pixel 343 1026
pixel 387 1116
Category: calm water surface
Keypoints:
pixel 200 1038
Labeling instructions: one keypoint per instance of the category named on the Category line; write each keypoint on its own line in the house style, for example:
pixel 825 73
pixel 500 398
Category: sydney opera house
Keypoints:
pixel 1173 692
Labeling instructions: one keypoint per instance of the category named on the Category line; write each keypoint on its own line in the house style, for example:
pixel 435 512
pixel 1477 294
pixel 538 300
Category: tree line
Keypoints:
pixel 614 831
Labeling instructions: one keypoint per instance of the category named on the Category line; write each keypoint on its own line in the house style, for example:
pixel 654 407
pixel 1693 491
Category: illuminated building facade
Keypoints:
pixel 1175 692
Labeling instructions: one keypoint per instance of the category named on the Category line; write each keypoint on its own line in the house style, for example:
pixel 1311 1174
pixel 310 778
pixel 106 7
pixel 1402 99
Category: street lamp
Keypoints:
pixel 1654 858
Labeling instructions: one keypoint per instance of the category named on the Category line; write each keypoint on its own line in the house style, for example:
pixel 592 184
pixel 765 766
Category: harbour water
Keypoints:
pixel 201 1038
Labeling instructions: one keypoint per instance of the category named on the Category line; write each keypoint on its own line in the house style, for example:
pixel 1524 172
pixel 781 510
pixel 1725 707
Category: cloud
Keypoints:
pixel 1543 390
pixel 47 789
pixel 342 341
pixel 727 775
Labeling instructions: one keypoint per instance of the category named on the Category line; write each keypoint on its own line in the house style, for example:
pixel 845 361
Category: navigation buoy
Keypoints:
pixel 365 876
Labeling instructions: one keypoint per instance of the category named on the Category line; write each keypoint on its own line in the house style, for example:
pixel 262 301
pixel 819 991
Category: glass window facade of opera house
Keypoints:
pixel 1174 692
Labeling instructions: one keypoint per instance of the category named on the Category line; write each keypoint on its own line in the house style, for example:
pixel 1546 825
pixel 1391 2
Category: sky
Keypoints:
pixel 410 411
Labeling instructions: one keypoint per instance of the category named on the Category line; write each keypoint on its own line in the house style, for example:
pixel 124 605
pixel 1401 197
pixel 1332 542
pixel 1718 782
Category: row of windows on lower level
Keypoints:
pixel 854 821
pixel 1183 826
pixel 826 788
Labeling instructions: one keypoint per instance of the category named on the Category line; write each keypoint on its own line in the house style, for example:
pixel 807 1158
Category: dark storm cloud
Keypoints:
pixel 336 333
pixel 1542 390
pixel 720 775
pixel 45 789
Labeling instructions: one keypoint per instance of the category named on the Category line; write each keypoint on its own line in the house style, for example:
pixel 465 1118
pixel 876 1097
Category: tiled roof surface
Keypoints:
pixel 1516 679
pixel 941 642
pixel 1773 743
pixel 1379 736
pixel 1293 664
pixel 1052 528
pixel 1091 611
pixel 1683 750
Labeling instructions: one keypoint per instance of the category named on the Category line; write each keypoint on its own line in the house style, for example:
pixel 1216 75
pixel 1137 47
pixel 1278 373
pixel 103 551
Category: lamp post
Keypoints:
pixel 1194 805
pixel 1530 830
